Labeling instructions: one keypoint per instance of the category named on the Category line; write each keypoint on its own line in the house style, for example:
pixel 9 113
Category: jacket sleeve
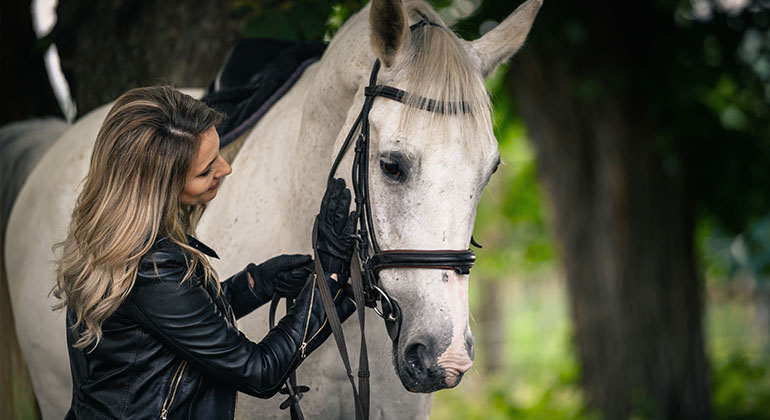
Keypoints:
pixel 183 316
pixel 241 295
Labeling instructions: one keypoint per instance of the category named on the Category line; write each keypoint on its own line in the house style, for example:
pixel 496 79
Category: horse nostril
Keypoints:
pixel 416 357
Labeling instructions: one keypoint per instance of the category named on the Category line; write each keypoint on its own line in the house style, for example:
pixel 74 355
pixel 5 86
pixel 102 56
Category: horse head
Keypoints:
pixel 427 167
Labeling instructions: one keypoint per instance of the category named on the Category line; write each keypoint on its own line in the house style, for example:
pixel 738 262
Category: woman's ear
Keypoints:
pixel 389 29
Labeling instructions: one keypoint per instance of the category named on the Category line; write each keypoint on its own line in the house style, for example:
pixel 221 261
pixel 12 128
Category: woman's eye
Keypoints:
pixel 208 171
pixel 392 170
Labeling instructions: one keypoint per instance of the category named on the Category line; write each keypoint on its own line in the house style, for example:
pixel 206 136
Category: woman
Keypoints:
pixel 151 331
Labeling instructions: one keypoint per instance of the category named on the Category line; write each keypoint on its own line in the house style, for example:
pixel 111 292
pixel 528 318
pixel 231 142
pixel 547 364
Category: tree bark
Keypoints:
pixel 624 223
pixel 109 47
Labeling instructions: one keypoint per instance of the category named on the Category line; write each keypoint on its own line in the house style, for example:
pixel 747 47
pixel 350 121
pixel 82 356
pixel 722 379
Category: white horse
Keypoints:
pixel 427 172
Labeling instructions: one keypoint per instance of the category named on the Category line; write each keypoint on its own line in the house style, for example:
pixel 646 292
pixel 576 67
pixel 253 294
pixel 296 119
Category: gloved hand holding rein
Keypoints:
pixel 336 227
pixel 335 245
pixel 305 326
pixel 284 275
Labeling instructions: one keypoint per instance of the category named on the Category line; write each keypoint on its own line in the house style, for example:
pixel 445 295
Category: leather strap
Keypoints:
pixel 420 102
pixel 459 261
pixel 363 358
pixel 334 323
pixel 294 392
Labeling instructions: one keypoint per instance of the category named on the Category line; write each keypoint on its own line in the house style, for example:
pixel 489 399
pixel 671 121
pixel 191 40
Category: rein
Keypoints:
pixel 369 259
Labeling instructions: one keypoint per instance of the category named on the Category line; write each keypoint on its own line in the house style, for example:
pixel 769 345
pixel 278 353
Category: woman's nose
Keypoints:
pixel 225 168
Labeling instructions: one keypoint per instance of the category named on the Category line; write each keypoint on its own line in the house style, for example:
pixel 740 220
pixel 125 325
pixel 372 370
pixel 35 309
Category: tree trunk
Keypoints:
pixel 109 47
pixel 624 224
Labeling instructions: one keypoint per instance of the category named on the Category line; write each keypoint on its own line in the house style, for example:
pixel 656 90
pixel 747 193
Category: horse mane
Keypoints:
pixel 446 73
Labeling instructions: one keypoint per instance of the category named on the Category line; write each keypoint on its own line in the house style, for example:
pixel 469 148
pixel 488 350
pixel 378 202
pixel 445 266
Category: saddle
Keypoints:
pixel 255 75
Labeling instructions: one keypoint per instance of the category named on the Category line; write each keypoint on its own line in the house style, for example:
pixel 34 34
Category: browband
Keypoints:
pixel 423 103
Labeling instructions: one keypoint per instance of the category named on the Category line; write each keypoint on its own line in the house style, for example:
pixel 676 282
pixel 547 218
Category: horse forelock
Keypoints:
pixel 434 64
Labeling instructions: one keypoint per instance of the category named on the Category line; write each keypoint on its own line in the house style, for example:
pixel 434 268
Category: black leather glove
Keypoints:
pixel 335 230
pixel 312 331
pixel 284 275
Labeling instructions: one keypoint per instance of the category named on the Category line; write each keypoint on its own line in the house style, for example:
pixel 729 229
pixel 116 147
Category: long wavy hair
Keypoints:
pixel 131 196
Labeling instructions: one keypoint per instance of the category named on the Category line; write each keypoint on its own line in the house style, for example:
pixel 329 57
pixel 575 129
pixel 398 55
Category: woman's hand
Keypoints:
pixel 284 275
pixel 335 230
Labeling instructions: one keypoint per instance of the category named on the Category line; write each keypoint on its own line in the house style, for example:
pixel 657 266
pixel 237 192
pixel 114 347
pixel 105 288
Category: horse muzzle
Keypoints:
pixel 423 367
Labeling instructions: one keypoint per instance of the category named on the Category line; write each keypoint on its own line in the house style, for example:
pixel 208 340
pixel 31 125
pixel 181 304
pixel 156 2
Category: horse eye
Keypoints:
pixel 393 171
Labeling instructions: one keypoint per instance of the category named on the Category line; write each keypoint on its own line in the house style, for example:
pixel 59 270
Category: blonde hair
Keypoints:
pixel 131 196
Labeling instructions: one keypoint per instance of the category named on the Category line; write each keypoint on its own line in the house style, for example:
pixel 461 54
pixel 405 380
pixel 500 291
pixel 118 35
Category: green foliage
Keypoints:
pixel 719 119
pixel 725 256
pixel 741 388
pixel 340 13
pixel 294 20
pixel 560 401
pixel 510 217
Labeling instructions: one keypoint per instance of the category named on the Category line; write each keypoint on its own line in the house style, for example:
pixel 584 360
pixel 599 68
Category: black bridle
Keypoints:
pixel 369 258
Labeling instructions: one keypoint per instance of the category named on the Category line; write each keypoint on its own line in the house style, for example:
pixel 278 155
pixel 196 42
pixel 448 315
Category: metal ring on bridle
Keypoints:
pixel 385 298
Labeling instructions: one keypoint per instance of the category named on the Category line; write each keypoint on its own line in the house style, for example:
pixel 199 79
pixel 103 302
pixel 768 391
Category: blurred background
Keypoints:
pixel 625 272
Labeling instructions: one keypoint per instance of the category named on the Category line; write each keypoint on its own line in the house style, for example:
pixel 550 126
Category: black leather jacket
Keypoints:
pixel 172 350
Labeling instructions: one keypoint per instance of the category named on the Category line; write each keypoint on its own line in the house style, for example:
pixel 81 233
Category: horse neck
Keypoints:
pixel 328 106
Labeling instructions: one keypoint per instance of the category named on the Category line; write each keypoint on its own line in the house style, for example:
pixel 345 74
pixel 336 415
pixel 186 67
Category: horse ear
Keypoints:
pixel 389 29
pixel 499 44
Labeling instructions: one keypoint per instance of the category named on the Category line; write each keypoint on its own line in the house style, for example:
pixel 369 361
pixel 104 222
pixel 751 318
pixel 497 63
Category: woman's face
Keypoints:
pixel 207 169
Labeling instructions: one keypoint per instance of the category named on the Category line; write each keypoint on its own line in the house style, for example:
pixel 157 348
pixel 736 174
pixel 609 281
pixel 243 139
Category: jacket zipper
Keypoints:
pixel 175 381
pixel 326 320
pixel 307 319
pixel 305 342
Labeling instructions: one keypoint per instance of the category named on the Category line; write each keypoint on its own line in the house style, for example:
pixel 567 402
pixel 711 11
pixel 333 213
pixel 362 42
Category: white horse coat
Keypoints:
pixel 266 207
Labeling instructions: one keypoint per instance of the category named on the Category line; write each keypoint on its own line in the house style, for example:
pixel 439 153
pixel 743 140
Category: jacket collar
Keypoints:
pixel 200 246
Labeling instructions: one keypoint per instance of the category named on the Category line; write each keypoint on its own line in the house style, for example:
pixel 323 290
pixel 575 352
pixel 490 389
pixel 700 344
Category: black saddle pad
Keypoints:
pixel 256 74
